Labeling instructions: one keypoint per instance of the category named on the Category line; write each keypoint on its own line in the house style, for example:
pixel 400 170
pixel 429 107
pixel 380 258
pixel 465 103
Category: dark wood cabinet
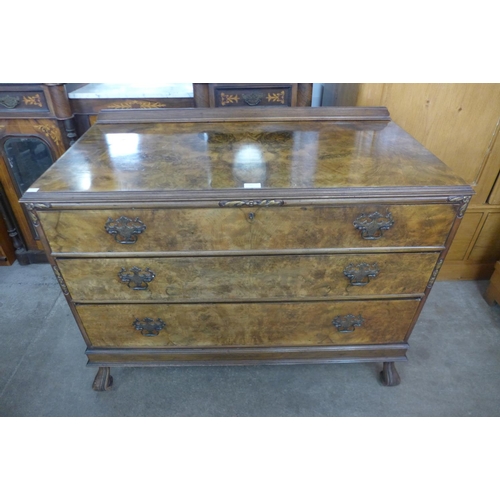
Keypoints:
pixel 36 128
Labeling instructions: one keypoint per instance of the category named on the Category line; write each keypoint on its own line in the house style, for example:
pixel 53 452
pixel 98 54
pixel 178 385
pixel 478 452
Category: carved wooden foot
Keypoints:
pixel 389 375
pixel 103 380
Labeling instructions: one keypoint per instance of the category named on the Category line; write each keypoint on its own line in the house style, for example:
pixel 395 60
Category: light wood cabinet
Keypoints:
pixel 460 124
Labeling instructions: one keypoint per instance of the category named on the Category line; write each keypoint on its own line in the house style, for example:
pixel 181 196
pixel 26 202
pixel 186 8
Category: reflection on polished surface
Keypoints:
pixel 226 155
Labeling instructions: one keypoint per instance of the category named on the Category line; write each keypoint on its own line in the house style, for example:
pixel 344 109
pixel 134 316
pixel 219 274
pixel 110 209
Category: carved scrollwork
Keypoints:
pixel 134 280
pixel 32 207
pixel 373 226
pixel 464 203
pixel 149 327
pixel 60 279
pixel 251 203
pixel 435 273
pixel 347 323
pixel 360 274
pixel 125 230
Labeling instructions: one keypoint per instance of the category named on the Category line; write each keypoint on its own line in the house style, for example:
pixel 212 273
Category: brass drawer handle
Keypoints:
pixel 125 230
pixel 9 102
pixel 149 327
pixel 372 226
pixel 360 274
pixel 135 280
pixel 252 99
pixel 347 323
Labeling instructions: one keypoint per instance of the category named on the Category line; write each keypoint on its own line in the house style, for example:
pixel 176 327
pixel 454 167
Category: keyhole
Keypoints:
pixel 251 216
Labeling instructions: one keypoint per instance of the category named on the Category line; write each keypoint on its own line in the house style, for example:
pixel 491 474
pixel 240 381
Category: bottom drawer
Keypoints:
pixel 268 324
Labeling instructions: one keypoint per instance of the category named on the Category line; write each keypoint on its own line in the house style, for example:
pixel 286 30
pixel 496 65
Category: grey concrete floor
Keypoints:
pixel 453 367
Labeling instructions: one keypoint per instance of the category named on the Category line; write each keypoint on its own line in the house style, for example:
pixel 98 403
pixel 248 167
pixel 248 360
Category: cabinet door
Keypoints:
pixel 27 149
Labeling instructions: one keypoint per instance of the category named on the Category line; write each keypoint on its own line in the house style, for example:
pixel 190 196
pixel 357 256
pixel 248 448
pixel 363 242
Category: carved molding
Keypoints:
pixel 251 203
pixel 50 131
pixel 464 203
pixel 59 277
pixel 32 207
pixel 435 273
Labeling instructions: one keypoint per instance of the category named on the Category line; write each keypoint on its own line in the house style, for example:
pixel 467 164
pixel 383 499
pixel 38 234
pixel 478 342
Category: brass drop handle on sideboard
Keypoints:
pixel 148 326
pixel 372 226
pixel 125 230
pixel 10 102
pixel 135 278
pixel 347 323
pixel 360 274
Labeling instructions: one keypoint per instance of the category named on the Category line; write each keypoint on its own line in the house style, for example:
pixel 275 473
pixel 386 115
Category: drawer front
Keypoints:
pixel 13 101
pixel 252 96
pixel 271 324
pixel 184 279
pixel 247 228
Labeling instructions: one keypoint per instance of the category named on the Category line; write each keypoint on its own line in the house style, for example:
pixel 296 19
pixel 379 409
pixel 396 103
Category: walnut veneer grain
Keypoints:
pixel 216 279
pixel 239 236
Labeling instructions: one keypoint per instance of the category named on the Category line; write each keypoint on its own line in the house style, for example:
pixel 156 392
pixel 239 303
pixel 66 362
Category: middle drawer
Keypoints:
pixel 198 279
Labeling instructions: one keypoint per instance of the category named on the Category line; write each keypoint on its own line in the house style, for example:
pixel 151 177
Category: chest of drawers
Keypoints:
pixel 239 236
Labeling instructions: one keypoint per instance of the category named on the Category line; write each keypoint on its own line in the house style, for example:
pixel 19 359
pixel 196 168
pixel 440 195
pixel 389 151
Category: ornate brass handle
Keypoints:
pixel 360 274
pixel 149 327
pixel 252 99
pixel 135 280
pixel 372 226
pixel 125 230
pixel 347 323
pixel 9 102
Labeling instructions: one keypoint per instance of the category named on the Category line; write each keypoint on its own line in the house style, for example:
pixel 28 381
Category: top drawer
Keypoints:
pixel 247 228
pixel 22 101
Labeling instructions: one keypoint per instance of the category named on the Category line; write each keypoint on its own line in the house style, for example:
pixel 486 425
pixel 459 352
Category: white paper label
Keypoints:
pixel 32 190
pixel 252 185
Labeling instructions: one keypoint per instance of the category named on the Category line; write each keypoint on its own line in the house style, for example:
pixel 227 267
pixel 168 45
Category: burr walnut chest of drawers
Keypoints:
pixel 239 236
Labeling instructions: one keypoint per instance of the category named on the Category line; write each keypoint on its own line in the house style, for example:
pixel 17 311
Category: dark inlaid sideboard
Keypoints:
pixel 239 236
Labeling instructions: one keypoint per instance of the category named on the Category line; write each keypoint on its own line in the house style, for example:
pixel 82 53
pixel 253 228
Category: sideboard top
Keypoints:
pixel 195 153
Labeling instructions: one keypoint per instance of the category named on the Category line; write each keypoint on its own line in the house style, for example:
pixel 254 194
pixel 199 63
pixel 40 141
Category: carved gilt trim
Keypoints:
pixel 435 273
pixel 251 203
pixel 50 131
pixel 464 201
pixel 130 103
pixel 32 100
pixel 59 277
pixel 32 207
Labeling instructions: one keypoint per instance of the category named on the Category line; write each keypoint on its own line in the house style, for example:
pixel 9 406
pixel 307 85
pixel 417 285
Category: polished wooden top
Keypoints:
pixel 219 154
